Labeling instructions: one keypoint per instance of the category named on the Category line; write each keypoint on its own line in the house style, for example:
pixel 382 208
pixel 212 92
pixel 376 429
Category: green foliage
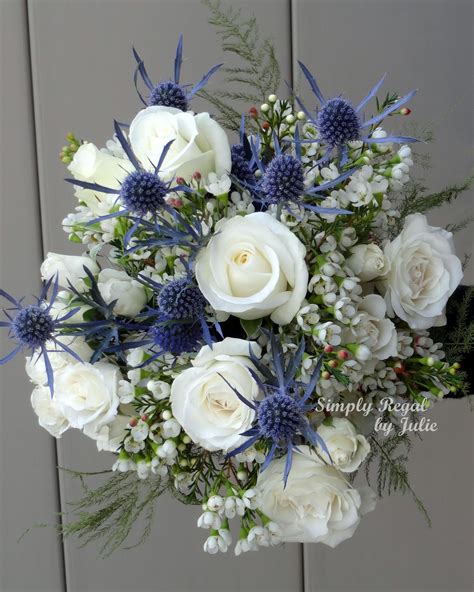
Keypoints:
pixel 390 456
pixel 415 198
pixel 111 511
pixel 253 76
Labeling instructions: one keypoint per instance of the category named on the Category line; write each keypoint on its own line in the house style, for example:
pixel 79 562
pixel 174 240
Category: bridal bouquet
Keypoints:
pixel 245 325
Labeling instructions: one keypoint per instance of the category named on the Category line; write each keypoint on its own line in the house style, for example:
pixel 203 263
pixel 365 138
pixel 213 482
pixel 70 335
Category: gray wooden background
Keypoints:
pixel 66 65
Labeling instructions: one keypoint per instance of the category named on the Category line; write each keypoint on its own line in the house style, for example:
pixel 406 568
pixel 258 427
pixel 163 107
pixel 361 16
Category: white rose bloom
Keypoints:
pixel 204 404
pixel 91 165
pixel 87 394
pixel 346 446
pixel 368 262
pixel 68 269
pixel 372 329
pixel 108 437
pixel 36 369
pixel 200 143
pixel 317 505
pixel 254 266
pixel 47 409
pixel 424 272
pixel 117 285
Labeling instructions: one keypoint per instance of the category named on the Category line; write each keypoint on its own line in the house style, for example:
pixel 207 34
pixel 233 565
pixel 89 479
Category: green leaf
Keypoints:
pixel 251 327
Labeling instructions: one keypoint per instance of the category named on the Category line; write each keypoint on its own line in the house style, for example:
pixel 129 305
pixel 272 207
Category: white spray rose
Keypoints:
pixel 108 437
pixel 87 394
pixel 68 269
pixel 254 266
pixel 200 143
pixel 372 329
pixel 205 405
pixel 117 285
pixel 50 416
pixel 91 165
pixel 347 447
pixel 368 262
pixel 424 272
pixel 36 369
pixel 317 505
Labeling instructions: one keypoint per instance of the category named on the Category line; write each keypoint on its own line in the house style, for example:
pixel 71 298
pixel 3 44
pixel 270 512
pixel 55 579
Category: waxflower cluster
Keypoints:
pixel 225 299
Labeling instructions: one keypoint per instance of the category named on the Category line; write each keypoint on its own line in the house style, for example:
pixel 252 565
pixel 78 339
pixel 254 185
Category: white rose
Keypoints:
pixel 368 262
pixel 36 369
pixel 204 404
pixel 117 285
pixel 200 143
pixel 50 416
pixel 87 394
pixel 91 165
pixel 317 505
pixel 108 437
pixel 372 329
pixel 346 446
pixel 254 266
pixel 68 269
pixel 424 272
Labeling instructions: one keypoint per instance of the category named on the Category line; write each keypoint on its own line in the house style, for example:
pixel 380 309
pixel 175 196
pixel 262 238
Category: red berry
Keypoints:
pixel 328 349
pixel 405 111
pixel 133 422
pixel 253 112
pixel 144 417
pixel 265 126
pixel 325 375
pixel 333 363
pixel 343 354
pixel 197 176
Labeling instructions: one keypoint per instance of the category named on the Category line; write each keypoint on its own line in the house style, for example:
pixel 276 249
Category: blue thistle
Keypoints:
pixel 143 192
pixel 176 337
pixel 241 165
pixel 338 122
pixel 169 93
pixel 180 300
pixel 283 180
pixel 281 416
pixel 34 328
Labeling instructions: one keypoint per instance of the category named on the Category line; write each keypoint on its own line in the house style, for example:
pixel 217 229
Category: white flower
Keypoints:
pixel 168 450
pixel 233 506
pixel 36 369
pixel 50 416
pixel 424 272
pixel 244 546
pixel 367 262
pixel 200 143
pixel 317 505
pixel 218 185
pixel 346 447
pixel 171 428
pixel 94 166
pixel 205 405
pixel 209 520
pixel 254 266
pixel 110 436
pixel 159 389
pixel 68 269
pixel 259 535
pixel 87 394
pixel 372 329
pixel 117 285
pixel 139 432
pixel 215 503
pixel 214 544
pixel 251 499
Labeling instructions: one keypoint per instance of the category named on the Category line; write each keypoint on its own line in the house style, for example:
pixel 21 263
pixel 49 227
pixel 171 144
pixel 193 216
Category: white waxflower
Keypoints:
pixel 203 402
pixel 347 448
pixel 209 520
pixel 132 446
pixel 68 269
pixel 126 391
pixel 251 499
pixel 110 436
pixel 50 416
pixel 159 389
pixel 244 546
pixel 168 451
pixel 327 333
pixel 344 310
pixel 215 503
pixel 253 267
pixel 215 544
pixel 424 272
pixel 129 294
pixel 317 504
pixel 139 432
pixel 200 143
pixel 259 535
pixel 143 469
pixel 170 428
pixel 308 316
pixel 233 506
pixel 218 185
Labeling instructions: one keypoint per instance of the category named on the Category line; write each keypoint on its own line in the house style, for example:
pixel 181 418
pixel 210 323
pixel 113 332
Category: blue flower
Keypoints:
pixel 339 122
pixel 141 192
pixel 170 93
pixel 281 416
pixel 34 328
pixel 281 180
pixel 179 299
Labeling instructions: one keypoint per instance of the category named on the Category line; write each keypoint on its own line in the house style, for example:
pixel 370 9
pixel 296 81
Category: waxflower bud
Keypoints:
pixel 272 98
pixel 265 108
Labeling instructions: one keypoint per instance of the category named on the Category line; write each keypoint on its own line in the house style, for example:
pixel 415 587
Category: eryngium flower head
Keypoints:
pixel 176 338
pixel 338 122
pixel 279 416
pixel 32 326
pixel 143 192
pixel 240 165
pixel 283 180
pixel 169 94
pixel 180 300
